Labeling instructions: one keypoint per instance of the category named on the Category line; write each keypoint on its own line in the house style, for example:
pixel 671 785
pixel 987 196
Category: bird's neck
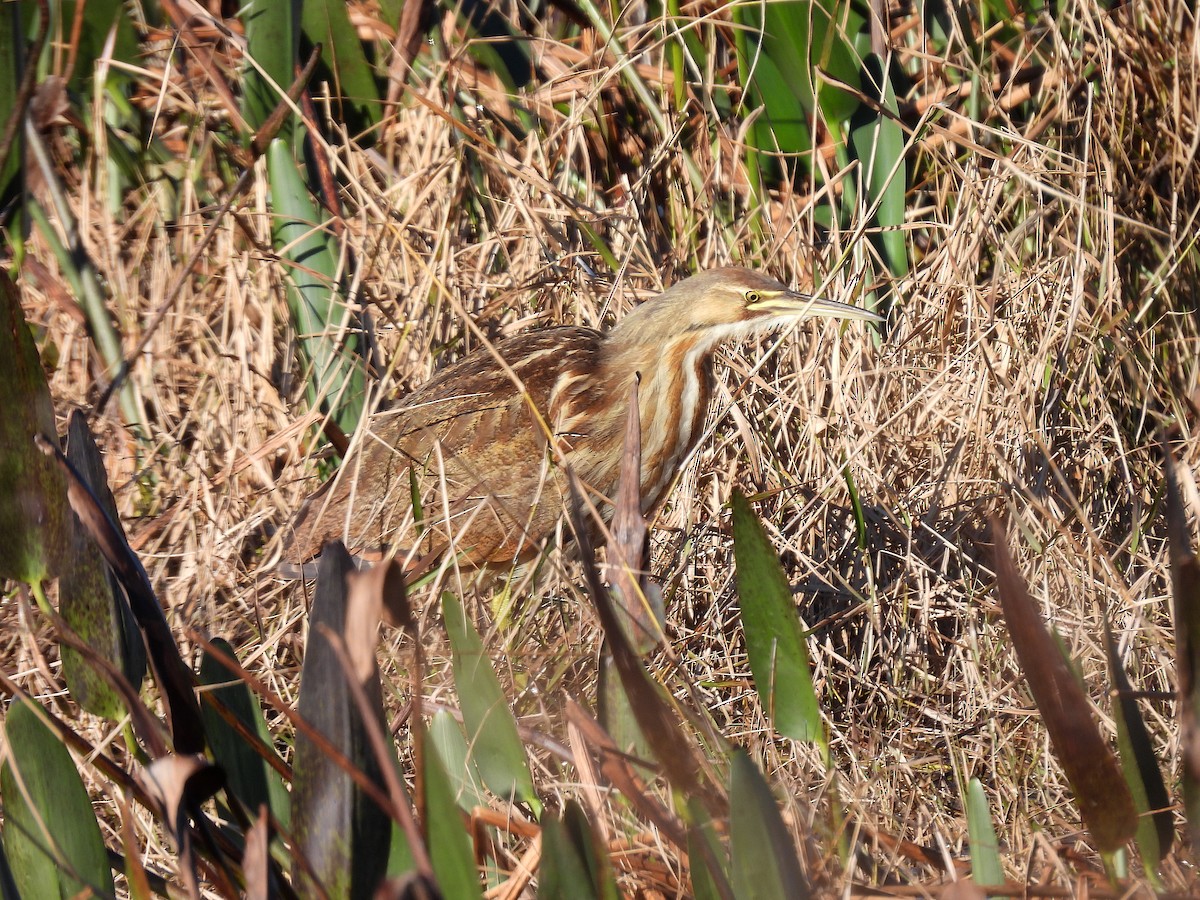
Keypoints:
pixel 673 399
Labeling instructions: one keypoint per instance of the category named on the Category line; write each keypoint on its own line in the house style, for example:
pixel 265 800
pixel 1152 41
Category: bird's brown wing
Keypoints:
pixel 475 449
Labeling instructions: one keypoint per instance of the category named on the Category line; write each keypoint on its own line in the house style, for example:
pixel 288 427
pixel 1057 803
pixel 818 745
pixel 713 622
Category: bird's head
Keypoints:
pixel 726 304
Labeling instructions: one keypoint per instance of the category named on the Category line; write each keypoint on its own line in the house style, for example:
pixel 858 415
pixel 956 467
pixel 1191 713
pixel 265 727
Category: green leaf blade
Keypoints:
pixel 51 835
pixel 491 729
pixel 775 643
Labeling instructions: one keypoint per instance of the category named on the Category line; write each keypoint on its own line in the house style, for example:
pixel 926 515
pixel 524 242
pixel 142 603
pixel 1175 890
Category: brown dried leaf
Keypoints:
pixel 1090 766
pixel 629 549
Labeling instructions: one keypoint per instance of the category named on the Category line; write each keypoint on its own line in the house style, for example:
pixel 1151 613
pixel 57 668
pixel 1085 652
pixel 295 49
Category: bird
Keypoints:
pixel 475 459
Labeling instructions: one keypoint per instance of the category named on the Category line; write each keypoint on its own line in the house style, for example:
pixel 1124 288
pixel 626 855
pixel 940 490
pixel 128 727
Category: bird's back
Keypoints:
pixel 476 447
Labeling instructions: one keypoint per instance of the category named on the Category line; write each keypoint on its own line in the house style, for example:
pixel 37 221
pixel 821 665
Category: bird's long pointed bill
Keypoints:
pixel 806 306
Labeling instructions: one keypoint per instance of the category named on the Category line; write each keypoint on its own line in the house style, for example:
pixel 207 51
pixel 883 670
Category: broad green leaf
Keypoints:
pixel 616 713
pixel 450 850
pixel 986 868
pixel 775 642
pixel 11 69
pixel 761 851
pixel 496 42
pixel 783 124
pixel 706 856
pixel 272 49
pixel 446 735
pixel 562 875
pixel 805 38
pixel 90 598
pixel 251 778
pixel 491 729
pixel 572 865
pixel 327 22
pixel 878 143
pixel 100 17
pixel 33 507
pixel 51 836
pixel 327 329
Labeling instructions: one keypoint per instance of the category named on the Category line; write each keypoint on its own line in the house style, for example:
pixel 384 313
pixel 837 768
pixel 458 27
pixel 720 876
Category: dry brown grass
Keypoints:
pixel 1046 332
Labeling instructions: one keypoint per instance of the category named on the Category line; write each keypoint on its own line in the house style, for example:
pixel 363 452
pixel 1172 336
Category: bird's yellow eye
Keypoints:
pixel 753 296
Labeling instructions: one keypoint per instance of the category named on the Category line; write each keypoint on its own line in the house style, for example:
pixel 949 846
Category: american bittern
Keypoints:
pixel 479 432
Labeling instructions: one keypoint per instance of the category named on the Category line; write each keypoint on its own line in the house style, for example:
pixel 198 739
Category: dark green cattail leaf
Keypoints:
pixel 562 875
pixel 761 851
pixel 1090 766
pixel 707 859
pixel 986 868
pixel 496 747
pixel 578 831
pixel 100 17
pixel 175 679
pixel 272 50
pixel 446 735
pixel 327 22
pixel 783 124
pixel 341 831
pixel 51 836
pixel 90 597
pixel 12 71
pixel 33 511
pixel 572 864
pixel 804 38
pixel 327 327
pixel 499 46
pixel 449 842
pixel 775 641
pixel 246 754
pixel 1185 612
pixel 1156 826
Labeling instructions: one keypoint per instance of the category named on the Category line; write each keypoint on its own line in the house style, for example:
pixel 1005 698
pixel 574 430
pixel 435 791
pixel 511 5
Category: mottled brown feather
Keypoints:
pixel 459 429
